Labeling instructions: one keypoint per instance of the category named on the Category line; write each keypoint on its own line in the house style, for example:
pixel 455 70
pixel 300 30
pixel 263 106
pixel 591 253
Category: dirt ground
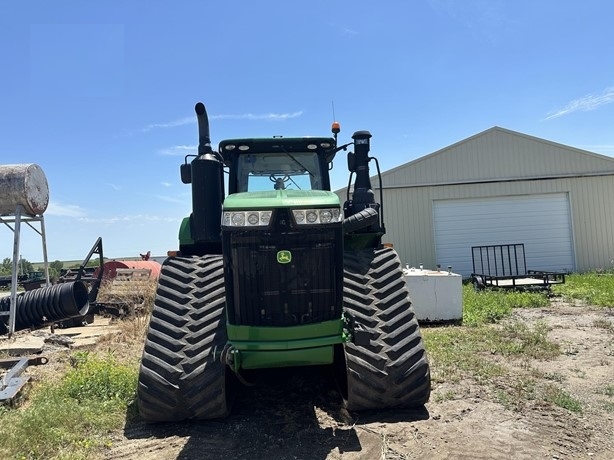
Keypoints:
pixel 296 415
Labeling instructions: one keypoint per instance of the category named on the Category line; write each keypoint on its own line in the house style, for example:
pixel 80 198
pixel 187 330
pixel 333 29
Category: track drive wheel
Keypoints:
pixel 389 368
pixel 181 375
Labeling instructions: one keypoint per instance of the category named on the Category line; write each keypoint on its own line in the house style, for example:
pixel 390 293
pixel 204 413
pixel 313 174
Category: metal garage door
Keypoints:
pixel 541 222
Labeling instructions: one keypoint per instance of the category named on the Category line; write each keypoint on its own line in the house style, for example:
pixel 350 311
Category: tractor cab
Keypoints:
pixel 257 165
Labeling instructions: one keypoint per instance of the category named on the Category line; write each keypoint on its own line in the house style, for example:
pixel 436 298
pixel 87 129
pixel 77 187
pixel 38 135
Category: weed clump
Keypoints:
pixel 73 414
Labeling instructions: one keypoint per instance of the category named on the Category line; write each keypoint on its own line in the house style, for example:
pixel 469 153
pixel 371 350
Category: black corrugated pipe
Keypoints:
pixel 47 304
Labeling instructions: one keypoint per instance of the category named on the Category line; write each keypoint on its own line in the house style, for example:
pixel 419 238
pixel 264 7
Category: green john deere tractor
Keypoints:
pixel 278 274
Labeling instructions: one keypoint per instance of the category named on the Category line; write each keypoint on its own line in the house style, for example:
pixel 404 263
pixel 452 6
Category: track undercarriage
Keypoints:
pixel 185 372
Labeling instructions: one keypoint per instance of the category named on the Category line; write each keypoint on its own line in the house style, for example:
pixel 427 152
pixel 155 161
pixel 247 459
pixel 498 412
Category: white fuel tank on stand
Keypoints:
pixel 437 295
pixel 23 185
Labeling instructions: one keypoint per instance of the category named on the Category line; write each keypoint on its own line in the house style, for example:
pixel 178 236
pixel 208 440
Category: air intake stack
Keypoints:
pixel 363 197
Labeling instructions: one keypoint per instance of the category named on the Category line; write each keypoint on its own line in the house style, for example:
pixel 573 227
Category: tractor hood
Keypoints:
pixel 281 199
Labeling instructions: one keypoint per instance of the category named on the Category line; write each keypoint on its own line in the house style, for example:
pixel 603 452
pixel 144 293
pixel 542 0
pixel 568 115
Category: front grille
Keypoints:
pixel 265 292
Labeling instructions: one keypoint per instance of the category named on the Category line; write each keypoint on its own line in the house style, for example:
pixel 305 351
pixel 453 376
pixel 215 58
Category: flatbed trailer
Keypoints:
pixel 504 266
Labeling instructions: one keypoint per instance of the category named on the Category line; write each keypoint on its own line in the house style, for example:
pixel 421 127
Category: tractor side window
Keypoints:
pixel 279 171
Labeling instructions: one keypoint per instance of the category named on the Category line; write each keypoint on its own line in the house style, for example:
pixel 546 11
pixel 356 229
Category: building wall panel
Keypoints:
pixel 409 216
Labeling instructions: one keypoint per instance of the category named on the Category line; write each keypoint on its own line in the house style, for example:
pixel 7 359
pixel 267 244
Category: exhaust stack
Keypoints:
pixel 207 177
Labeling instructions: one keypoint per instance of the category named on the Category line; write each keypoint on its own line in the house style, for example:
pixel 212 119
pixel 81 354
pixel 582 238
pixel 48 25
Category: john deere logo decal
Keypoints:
pixel 284 257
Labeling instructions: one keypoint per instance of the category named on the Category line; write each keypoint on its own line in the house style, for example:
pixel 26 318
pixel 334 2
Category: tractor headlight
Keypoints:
pixel 253 218
pixel 246 218
pixel 326 216
pixel 312 217
pixel 238 219
pixel 316 216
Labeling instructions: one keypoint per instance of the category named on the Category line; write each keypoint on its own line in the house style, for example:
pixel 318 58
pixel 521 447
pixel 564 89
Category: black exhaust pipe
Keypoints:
pixel 204 140
pixel 207 174
pixel 47 305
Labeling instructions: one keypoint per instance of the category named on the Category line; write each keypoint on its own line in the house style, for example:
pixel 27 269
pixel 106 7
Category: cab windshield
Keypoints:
pixel 279 171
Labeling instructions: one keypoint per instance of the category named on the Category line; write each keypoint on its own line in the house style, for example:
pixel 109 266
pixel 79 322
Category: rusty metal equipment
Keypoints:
pixel 125 294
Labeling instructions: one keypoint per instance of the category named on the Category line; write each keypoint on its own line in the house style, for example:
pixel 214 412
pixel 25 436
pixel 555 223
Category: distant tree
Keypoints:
pixel 55 268
pixel 57 265
pixel 53 275
pixel 25 266
pixel 95 262
pixel 7 266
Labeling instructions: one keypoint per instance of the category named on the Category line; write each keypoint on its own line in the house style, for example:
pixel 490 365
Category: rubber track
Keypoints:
pixel 178 378
pixel 393 370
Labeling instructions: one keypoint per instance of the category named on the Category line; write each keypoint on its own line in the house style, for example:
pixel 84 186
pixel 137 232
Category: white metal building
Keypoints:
pixel 502 187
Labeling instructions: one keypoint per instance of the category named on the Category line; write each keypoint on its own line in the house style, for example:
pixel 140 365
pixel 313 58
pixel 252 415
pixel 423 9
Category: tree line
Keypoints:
pixel 26 268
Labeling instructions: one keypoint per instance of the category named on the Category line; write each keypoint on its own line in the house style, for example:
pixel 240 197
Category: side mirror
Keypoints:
pixel 186 173
pixel 351 162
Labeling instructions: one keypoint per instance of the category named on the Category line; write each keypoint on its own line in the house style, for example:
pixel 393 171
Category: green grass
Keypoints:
pixel 455 352
pixel 561 398
pixel 474 350
pixel 459 351
pixel 592 288
pixel 71 418
pixel 481 307
pixel 488 341
pixel 481 353
pixel 520 340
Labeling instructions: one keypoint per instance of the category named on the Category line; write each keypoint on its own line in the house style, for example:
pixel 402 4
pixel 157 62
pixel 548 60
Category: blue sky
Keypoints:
pixel 101 94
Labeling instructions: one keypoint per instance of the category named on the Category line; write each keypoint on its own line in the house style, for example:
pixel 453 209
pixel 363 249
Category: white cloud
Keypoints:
pixel 170 199
pixel 113 186
pixel 127 219
pixel 180 150
pixel 171 124
pixel 166 184
pixel 241 116
pixel 263 116
pixel 584 104
pixel 348 31
pixel 55 208
pixel 343 29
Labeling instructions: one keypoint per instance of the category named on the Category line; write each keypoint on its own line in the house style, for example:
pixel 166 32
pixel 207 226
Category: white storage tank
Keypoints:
pixel 437 295
pixel 25 185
